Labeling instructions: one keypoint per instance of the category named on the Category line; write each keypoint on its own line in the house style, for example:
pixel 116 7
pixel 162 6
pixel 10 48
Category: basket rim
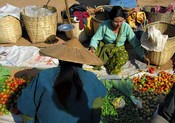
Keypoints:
pixel 159 22
pixel 170 41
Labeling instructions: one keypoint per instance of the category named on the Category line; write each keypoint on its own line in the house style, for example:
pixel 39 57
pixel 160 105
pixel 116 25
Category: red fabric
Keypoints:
pixel 80 15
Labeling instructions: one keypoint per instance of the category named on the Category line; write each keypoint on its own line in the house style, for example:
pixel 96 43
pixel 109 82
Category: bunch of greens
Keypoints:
pixel 126 87
pixel 4 75
pixel 110 114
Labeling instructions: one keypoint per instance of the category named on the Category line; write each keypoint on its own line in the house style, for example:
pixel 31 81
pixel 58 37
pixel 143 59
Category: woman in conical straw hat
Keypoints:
pixel 67 93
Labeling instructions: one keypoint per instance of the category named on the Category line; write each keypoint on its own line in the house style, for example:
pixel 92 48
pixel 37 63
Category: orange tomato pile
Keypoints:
pixel 161 83
pixel 9 95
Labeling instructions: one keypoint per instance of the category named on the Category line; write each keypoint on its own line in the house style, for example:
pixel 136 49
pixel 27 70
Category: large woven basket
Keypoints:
pixel 161 58
pixel 10 28
pixel 41 28
pixel 153 17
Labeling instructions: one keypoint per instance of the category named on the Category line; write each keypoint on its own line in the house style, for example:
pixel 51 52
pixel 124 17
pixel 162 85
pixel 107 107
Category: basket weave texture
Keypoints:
pixel 153 17
pixel 161 58
pixel 41 28
pixel 10 28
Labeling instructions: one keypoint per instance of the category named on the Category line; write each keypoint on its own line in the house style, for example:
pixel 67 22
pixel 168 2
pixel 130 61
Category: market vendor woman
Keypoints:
pixel 67 93
pixel 109 39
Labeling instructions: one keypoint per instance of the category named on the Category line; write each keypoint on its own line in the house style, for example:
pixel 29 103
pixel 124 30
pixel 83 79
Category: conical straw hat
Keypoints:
pixel 72 51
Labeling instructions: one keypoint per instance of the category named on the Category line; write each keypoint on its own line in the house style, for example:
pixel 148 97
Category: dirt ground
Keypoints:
pixel 60 6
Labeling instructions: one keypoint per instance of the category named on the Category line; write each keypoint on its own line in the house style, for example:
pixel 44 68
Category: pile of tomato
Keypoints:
pixel 161 83
pixel 11 90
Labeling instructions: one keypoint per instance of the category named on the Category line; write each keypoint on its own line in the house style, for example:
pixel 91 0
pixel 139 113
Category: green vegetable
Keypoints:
pixel 4 74
pixel 126 87
pixel 108 83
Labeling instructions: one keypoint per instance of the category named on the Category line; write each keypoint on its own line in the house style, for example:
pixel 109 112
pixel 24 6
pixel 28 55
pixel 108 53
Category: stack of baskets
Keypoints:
pixel 10 28
pixel 161 58
pixel 41 28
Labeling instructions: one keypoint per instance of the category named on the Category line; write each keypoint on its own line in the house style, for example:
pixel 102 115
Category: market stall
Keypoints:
pixel 129 93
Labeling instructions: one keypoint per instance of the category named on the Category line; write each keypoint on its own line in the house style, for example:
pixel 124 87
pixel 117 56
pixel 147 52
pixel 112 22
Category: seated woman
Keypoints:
pixel 67 93
pixel 109 39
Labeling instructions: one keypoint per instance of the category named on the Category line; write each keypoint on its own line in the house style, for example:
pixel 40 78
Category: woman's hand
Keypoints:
pixel 146 60
pixel 92 50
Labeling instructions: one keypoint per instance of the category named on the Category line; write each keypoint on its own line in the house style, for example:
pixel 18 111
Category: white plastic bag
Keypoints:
pixel 153 40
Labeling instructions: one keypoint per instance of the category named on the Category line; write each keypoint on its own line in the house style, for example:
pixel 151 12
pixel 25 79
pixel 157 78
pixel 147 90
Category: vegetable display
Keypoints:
pixel 146 88
pixel 129 100
pixel 158 84
pixel 11 90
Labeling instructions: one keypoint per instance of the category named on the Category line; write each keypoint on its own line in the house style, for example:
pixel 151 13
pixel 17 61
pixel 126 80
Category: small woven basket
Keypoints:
pixel 161 58
pixel 10 28
pixel 41 28
pixel 153 17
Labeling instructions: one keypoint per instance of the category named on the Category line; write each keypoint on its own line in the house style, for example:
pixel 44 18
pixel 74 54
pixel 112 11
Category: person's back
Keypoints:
pixel 49 110
pixel 64 94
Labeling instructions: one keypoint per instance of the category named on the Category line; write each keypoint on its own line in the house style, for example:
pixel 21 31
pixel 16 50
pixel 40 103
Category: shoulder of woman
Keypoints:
pixel 86 72
pixel 126 26
pixel 49 71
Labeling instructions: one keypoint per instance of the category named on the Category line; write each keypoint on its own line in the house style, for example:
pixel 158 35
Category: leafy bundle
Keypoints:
pixel 126 87
pixel 4 74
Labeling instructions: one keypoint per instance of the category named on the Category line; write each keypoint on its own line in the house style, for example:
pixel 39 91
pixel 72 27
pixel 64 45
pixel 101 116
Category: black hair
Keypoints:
pixel 116 11
pixel 68 75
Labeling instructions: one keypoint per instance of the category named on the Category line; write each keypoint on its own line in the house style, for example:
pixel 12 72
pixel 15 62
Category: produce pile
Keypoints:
pixel 10 89
pixel 146 89
pixel 129 100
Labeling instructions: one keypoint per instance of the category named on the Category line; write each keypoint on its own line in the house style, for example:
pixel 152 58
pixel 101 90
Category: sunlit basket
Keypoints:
pixel 153 17
pixel 41 28
pixel 10 28
pixel 161 58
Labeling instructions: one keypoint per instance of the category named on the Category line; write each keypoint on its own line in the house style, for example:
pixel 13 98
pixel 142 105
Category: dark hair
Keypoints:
pixel 116 11
pixel 68 75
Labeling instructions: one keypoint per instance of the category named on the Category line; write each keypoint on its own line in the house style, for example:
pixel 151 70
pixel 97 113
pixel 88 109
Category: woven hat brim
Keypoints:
pixel 72 54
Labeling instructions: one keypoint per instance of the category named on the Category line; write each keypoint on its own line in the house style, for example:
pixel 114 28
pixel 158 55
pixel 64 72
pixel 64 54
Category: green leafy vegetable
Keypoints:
pixel 4 74
pixel 126 87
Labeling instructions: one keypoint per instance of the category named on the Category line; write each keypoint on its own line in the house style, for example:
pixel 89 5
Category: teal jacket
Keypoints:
pixel 38 99
pixel 105 34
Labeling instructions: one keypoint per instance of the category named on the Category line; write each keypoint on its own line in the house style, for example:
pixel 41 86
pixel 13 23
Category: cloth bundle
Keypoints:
pixel 135 18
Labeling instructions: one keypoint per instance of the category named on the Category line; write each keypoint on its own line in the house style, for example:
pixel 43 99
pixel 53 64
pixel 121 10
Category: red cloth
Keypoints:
pixel 80 15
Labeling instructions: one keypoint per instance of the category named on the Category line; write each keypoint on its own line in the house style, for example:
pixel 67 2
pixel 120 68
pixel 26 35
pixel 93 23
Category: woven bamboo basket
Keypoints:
pixel 161 58
pixel 153 17
pixel 99 17
pixel 41 28
pixel 10 28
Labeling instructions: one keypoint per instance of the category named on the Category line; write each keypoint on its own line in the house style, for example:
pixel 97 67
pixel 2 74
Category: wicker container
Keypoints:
pixel 41 28
pixel 153 17
pixel 10 29
pixel 99 17
pixel 76 32
pixel 161 58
